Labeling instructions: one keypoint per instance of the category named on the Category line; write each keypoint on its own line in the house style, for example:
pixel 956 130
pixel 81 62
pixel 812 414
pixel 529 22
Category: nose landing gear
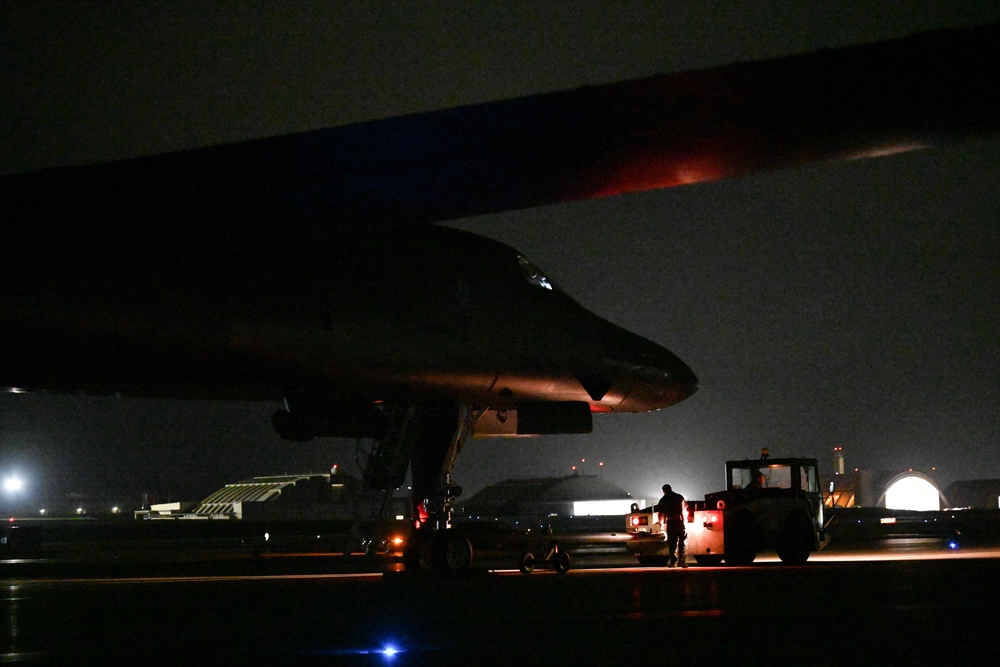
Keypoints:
pixel 434 544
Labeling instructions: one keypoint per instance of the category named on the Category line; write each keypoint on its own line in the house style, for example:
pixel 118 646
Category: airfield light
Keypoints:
pixel 13 485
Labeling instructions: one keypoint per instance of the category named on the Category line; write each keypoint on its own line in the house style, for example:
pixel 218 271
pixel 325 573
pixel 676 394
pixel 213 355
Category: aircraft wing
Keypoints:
pixel 630 136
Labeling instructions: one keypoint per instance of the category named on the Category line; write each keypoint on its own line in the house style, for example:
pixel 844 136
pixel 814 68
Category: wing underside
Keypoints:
pixel 598 141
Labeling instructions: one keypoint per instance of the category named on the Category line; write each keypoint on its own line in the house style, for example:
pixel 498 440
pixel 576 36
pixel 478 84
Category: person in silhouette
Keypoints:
pixel 670 512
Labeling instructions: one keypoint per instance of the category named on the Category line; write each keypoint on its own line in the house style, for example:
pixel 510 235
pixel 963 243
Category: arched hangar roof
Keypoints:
pixel 549 490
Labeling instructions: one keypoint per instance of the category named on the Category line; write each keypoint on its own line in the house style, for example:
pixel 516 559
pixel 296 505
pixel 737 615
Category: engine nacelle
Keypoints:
pixel 540 418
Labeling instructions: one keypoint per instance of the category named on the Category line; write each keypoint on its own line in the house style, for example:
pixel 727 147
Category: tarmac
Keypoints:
pixel 915 602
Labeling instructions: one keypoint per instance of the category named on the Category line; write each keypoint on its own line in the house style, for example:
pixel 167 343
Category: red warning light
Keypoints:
pixel 422 515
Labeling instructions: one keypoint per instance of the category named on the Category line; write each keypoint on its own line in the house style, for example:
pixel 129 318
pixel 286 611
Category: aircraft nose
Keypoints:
pixel 650 376
pixel 666 379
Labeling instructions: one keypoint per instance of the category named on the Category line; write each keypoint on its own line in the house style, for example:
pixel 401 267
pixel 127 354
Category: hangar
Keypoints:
pixel 912 490
pixel 541 498
pixel 285 497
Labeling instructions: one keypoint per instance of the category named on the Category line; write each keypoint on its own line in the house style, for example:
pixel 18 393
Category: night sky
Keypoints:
pixel 851 304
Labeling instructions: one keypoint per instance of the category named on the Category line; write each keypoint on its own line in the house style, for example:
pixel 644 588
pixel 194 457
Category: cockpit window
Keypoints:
pixel 763 476
pixel 533 274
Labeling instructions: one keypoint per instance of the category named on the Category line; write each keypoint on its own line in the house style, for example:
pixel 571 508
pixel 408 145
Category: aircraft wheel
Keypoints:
pixel 560 562
pixel 452 551
pixel 417 555
pixel 796 540
pixel 527 563
pixel 708 560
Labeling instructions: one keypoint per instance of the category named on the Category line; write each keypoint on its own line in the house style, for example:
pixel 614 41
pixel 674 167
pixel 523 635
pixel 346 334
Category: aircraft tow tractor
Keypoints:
pixel 767 504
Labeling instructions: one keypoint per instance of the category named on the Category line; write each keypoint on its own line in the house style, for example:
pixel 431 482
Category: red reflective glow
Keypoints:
pixel 713 518
pixel 422 515
pixel 647 170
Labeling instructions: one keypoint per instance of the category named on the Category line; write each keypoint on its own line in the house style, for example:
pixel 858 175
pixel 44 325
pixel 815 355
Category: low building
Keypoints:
pixel 543 500
pixel 975 494
pixel 306 497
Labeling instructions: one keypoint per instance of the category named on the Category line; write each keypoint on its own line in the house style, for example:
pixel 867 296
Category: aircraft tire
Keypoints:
pixel 560 562
pixel 452 551
pixel 417 555
pixel 526 563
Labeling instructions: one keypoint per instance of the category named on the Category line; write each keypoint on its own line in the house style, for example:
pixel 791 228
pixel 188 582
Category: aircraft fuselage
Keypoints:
pixel 424 314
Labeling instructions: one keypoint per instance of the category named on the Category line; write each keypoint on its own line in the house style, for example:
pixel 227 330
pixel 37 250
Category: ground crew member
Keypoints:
pixel 670 513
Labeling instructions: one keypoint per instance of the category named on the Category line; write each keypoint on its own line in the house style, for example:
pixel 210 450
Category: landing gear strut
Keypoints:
pixel 434 545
